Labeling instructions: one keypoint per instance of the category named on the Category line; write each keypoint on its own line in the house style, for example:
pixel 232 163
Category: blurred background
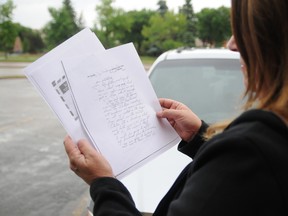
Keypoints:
pixel 35 175
pixel 154 26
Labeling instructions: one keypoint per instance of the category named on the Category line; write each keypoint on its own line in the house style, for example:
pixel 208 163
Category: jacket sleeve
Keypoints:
pixel 192 147
pixel 111 198
pixel 229 176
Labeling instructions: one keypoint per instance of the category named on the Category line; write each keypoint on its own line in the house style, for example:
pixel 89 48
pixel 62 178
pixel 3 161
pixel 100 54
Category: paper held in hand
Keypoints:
pixel 104 96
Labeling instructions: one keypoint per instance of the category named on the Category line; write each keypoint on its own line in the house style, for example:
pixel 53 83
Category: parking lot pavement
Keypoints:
pixel 12 69
pixel 35 175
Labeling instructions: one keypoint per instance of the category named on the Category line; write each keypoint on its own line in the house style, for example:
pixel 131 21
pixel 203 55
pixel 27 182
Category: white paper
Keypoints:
pixel 113 105
pixel 117 107
pixel 48 77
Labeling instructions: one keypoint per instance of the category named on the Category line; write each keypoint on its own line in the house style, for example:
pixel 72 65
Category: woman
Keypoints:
pixel 238 169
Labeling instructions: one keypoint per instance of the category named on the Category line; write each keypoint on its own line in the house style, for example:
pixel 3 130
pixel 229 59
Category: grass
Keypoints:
pixel 147 60
pixel 12 77
pixel 20 57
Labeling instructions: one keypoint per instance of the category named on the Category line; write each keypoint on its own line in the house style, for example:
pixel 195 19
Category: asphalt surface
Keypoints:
pixel 14 69
pixel 35 175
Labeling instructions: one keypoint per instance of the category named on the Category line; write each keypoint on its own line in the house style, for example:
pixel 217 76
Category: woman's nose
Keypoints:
pixel 232 44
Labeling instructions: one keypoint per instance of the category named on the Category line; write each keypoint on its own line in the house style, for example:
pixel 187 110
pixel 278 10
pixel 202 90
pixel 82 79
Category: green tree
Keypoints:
pixel 6 11
pixel 113 24
pixel 190 33
pixel 8 31
pixel 214 25
pixel 31 39
pixel 164 33
pixel 139 20
pixel 63 25
pixel 163 8
pixel 103 29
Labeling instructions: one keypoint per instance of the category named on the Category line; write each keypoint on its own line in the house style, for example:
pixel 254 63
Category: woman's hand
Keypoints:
pixel 85 161
pixel 184 121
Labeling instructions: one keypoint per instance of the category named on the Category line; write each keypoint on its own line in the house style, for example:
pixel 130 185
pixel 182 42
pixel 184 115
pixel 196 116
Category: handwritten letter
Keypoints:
pixel 117 106
pixel 126 116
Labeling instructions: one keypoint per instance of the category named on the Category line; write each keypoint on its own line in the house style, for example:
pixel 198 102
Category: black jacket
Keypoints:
pixel 242 171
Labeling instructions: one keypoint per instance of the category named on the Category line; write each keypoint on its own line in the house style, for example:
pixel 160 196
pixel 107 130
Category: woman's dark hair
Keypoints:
pixel 260 30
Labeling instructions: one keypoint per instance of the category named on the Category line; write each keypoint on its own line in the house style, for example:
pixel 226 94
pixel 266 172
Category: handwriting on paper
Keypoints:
pixel 127 117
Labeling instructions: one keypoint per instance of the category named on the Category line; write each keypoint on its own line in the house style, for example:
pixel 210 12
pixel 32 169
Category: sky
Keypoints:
pixel 34 13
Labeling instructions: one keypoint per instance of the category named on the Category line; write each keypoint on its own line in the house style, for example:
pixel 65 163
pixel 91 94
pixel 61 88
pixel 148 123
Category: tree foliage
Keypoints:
pixel 31 39
pixel 190 34
pixel 8 31
pixel 63 25
pixel 139 20
pixel 113 24
pixel 214 25
pixel 152 32
pixel 164 32
pixel 163 8
pixel 6 11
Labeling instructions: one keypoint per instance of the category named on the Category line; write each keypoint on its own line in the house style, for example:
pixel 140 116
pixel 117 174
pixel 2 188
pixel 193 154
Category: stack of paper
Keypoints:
pixel 104 96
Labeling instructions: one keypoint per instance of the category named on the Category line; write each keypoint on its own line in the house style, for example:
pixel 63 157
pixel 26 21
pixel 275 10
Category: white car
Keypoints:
pixel 210 82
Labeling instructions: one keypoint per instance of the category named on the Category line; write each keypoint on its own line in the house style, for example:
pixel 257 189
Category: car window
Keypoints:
pixel 212 88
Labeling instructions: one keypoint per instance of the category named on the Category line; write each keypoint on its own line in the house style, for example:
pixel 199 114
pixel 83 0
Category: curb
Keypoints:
pixel 14 64
pixel 15 68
